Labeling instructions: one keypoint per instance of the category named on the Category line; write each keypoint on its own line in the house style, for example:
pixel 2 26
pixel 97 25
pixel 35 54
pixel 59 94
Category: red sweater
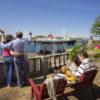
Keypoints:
pixel 6 52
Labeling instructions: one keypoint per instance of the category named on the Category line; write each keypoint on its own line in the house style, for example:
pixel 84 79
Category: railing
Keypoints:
pixel 39 65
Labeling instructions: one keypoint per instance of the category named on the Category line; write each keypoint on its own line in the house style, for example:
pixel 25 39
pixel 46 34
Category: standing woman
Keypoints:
pixel 8 59
pixel 21 63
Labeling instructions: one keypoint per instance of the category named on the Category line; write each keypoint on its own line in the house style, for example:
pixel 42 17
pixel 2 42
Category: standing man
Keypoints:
pixel 21 63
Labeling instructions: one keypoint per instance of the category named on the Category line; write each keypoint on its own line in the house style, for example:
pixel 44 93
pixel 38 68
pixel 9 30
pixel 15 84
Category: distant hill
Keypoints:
pixel 38 37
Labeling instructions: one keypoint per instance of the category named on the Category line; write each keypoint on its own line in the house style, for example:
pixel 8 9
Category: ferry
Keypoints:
pixel 49 44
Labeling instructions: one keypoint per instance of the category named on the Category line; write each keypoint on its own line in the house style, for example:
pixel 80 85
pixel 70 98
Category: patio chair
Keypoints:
pixel 86 80
pixel 39 92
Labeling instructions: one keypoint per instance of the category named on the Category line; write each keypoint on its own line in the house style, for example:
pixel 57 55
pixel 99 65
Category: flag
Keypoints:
pixel 50 36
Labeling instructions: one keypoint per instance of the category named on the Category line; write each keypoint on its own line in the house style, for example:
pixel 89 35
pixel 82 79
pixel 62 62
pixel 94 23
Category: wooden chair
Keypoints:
pixel 86 80
pixel 39 92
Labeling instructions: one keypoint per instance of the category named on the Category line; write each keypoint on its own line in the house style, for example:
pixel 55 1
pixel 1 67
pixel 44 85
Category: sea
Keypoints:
pixel 35 48
pixel 29 48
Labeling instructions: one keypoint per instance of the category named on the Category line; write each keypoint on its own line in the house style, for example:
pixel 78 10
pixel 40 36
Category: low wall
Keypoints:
pixel 39 65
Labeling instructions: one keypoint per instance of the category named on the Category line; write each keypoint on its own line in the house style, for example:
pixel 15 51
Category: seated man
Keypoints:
pixel 86 64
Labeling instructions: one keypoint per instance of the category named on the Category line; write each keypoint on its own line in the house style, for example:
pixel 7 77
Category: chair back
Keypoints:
pixel 34 87
pixel 88 77
pixel 61 86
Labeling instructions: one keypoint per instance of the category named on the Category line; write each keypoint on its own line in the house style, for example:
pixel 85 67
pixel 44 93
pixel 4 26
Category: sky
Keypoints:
pixel 60 17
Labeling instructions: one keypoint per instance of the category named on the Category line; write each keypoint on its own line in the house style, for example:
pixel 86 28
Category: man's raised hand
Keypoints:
pixel 2 31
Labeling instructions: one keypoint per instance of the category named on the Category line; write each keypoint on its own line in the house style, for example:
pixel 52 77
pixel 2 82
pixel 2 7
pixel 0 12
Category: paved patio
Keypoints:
pixel 16 93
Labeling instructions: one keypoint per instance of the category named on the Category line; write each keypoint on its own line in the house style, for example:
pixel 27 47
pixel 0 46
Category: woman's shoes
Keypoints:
pixel 8 86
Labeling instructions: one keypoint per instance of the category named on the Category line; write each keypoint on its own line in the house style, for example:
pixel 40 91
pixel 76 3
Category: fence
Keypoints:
pixel 39 65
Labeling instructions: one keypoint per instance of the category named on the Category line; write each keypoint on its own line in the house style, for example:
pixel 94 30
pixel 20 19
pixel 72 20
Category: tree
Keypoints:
pixel 95 30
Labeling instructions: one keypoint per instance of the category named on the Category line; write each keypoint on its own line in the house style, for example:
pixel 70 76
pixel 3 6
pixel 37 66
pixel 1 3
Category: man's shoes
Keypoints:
pixel 20 86
pixel 25 84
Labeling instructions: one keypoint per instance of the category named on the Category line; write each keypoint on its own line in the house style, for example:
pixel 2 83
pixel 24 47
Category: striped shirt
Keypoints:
pixel 85 66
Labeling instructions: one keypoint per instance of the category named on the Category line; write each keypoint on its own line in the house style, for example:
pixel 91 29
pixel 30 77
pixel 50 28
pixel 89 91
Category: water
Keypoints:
pixel 0 50
pixel 38 46
pixel 29 48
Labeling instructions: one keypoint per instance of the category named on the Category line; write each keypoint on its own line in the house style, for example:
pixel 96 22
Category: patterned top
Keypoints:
pixel 85 66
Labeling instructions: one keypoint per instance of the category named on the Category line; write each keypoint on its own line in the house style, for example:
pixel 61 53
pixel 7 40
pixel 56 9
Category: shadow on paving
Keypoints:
pixel 82 94
pixel 24 94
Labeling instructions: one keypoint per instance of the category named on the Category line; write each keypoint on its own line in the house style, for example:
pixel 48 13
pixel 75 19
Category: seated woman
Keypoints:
pixel 69 75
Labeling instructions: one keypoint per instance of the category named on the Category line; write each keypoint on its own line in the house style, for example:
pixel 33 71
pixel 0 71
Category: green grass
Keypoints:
pixel 93 50
pixel 96 56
